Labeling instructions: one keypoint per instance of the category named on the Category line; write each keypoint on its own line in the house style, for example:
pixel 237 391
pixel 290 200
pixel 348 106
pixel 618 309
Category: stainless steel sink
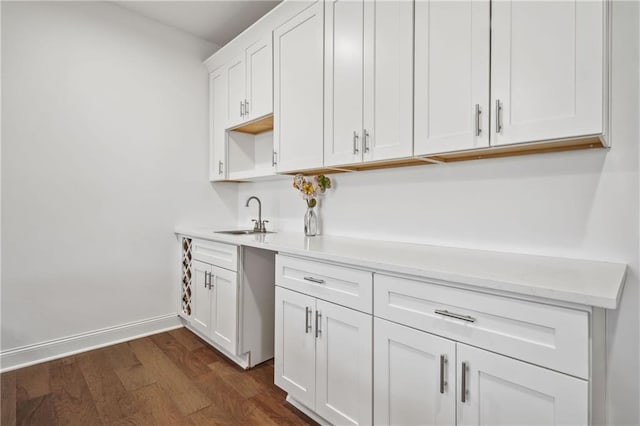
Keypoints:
pixel 242 232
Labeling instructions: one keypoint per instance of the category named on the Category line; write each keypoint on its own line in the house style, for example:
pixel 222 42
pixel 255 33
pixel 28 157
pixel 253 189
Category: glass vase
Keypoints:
pixel 310 222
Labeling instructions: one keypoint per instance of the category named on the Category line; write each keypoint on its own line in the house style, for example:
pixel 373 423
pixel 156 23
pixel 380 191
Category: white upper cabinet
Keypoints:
pixel 368 81
pixel 452 40
pixel 546 70
pixel 250 83
pixel 298 91
pixel 388 80
pixel 217 125
pixel 259 57
pixel 344 22
pixel 235 70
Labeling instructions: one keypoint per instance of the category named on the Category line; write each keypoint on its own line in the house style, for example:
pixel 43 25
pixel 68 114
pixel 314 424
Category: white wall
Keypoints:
pixel 104 151
pixel 578 204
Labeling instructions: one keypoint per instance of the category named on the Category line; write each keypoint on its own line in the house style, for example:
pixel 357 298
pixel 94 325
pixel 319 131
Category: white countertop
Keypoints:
pixel 584 282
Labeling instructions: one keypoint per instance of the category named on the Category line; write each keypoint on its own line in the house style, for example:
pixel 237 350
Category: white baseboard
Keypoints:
pixel 25 356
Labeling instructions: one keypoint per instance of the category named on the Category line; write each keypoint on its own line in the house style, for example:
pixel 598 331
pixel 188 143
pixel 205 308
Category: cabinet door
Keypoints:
pixel 546 69
pixel 201 301
pixel 388 80
pixel 217 125
pixel 344 23
pixel 224 322
pixel 503 391
pixel 452 40
pixel 344 364
pixel 295 353
pixel 298 91
pixel 259 59
pixel 415 376
pixel 236 91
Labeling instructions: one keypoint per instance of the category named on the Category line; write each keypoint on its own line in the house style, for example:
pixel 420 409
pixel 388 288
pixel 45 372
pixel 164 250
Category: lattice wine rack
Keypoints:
pixel 186 276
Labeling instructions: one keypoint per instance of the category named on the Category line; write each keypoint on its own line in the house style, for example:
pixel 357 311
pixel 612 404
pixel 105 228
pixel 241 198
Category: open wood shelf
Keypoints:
pixel 592 142
pixel 261 125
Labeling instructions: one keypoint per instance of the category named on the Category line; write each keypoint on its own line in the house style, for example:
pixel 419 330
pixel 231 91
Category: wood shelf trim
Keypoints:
pixel 589 142
pixel 264 124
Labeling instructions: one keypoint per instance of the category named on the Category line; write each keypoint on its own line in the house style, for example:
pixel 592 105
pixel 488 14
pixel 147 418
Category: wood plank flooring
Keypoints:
pixel 171 378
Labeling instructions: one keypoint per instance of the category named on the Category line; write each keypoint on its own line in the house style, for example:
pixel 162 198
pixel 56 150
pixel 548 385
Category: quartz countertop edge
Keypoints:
pixel 576 281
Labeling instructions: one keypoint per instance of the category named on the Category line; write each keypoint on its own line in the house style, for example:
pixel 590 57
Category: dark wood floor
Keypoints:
pixel 171 378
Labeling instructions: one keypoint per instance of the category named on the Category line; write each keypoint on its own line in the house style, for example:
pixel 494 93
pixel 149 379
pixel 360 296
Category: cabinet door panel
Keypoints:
pixel 217 125
pixel 388 80
pixel 502 391
pixel 235 90
pixel 344 365
pixel 452 40
pixel 225 308
pixel 408 370
pixel 344 20
pixel 295 354
pixel 260 78
pixel 546 69
pixel 201 300
pixel 298 90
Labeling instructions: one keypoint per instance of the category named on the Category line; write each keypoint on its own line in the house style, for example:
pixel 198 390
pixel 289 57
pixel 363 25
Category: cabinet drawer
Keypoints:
pixel 217 254
pixel 550 336
pixel 345 286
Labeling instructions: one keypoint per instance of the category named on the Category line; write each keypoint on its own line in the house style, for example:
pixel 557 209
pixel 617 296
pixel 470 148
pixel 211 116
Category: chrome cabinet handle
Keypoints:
pixel 477 114
pixel 318 318
pixel 220 167
pixel 355 142
pixel 246 107
pixel 463 383
pixel 206 279
pixel 314 280
pixel 443 363
pixel 498 116
pixel 274 159
pixel 307 320
pixel 365 137
pixel 241 109
pixel 446 313
pixel 211 285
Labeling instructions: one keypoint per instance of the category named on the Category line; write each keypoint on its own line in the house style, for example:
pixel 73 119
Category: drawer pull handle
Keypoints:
pixel 446 313
pixel 318 318
pixel 314 280
pixel 307 322
pixel 463 383
pixel 443 364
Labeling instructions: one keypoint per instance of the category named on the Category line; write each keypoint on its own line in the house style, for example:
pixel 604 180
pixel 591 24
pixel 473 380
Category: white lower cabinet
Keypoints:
pixel 414 376
pixel 295 353
pixel 503 391
pixel 201 299
pixel 227 297
pixel 224 302
pixel 423 379
pixel 323 357
pixel 215 306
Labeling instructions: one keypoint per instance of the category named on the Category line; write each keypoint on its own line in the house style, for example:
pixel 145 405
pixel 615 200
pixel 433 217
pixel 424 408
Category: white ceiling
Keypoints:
pixel 217 21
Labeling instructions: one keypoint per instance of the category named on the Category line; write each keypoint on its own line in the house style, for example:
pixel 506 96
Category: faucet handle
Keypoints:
pixel 264 226
pixel 256 225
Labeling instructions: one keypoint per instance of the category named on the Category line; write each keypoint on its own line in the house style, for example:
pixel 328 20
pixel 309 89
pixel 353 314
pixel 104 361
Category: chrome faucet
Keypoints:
pixel 259 225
